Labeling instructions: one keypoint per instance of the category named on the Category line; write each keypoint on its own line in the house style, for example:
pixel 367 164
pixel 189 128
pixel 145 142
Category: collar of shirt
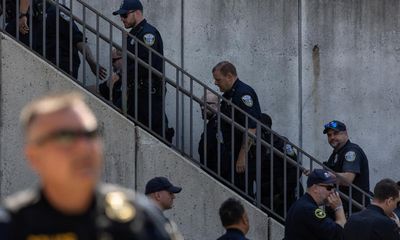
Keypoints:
pixel 230 93
pixel 138 28
pixel 375 208
pixel 234 231
pixel 339 150
pixel 308 196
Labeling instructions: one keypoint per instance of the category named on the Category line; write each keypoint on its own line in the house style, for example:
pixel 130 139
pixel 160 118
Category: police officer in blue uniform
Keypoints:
pixel 242 95
pixel 377 221
pixel 306 220
pixel 234 219
pixel 349 161
pixel 63 146
pixel 131 14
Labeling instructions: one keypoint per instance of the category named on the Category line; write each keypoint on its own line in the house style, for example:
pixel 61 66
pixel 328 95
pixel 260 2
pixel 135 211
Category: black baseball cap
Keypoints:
pixel 129 5
pixel 159 184
pixel 334 125
pixel 318 176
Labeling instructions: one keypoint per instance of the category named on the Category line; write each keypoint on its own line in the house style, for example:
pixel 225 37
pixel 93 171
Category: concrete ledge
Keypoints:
pixel 276 230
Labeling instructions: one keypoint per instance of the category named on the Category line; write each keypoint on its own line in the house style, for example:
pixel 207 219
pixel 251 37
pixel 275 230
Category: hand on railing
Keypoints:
pixel 23 25
pixel 102 70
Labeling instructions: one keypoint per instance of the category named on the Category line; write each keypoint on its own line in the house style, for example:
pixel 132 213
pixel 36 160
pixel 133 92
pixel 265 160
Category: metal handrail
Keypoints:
pixel 180 74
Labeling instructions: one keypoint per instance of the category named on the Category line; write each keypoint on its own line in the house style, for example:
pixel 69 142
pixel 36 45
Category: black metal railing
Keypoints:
pixel 267 163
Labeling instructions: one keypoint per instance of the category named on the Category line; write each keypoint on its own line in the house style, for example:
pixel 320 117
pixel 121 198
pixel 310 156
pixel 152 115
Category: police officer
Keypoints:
pixel 349 161
pixel 234 219
pixel 63 146
pixel 278 178
pixel 375 222
pixel 306 220
pixel 243 96
pixel 18 20
pixel 131 14
pixel 211 134
pixel 78 42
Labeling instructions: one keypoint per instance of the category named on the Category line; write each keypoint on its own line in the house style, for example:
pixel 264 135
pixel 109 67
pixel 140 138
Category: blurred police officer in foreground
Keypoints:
pixel 378 220
pixel 62 145
pixel 131 14
pixel 243 96
pixel 306 220
pixel 349 161
pixel 234 219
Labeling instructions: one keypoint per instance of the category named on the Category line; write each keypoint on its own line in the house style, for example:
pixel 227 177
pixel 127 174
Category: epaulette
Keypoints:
pixel 22 199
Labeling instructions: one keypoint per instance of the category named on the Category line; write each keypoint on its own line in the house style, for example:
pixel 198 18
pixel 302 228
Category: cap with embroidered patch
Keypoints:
pixel 318 176
pixel 129 5
pixel 334 125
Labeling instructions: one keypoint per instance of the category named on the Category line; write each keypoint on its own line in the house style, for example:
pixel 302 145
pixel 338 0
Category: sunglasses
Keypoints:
pixel 67 136
pixel 116 59
pixel 332 124
pixel 327 187
pixel 125 15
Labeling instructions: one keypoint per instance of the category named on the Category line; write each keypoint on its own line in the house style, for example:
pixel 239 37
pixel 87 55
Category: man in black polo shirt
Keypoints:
pixel 349 161
pixel 375 222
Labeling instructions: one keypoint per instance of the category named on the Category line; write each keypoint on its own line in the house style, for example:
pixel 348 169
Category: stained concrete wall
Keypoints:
pixel 352 75
pixel 196 207
pixel 24 77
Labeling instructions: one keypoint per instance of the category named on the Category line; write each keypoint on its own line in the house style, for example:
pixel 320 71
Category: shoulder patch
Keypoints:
pixel 132 41
pixel 289 150
pixel 247 100
pixel 149 39
pixel 350 156
pixel 319 213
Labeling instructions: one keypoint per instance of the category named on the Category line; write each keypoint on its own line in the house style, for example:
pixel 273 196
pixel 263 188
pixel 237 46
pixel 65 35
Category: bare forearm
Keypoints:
pixel 346 178
pixel 84 48
pixel 23 6
pixel 246 144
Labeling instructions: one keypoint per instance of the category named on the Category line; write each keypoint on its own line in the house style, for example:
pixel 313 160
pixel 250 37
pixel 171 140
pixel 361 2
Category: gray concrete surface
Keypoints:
pixel 24 77
pixel 196 207
pixel 276 230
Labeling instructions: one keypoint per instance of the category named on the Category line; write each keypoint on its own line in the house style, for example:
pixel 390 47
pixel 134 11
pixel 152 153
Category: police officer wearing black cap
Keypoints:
pixel 306 220
pixel 243 96
pixel 131 14
pixel 377 221
pixel 349 161
pixel 63 146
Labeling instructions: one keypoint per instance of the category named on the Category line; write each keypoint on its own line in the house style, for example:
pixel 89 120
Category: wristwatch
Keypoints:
pixel 23 15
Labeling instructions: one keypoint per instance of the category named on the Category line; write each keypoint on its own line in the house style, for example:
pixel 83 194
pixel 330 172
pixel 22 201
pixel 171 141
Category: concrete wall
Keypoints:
pixel 352 75
pixel 24 77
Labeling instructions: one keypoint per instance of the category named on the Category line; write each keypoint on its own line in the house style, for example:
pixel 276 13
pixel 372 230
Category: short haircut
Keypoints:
pixel 231 211
pixel 224 68
pixel 50 104
pixel 386 188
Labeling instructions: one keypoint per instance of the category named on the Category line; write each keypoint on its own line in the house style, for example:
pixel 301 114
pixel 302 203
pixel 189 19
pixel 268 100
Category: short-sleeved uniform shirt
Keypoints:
pixel 351 158
pixel 372 224
pixel 114 213
pixel 306 221
pixel 64 40
pixel 243 96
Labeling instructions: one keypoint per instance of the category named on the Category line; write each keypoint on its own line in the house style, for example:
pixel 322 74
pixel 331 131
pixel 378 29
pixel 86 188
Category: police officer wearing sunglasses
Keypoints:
pixel 349 161
pixel 306 220
pixel 131 14
pixel 63 146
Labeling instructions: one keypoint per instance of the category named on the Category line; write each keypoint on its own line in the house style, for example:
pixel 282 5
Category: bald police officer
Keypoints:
pixel 349 161
pixel 306 220
pixel 63 146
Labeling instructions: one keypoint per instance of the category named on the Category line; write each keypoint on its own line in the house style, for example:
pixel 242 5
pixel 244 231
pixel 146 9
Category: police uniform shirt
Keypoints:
pixel 306 221
pixel 233 234
pixel 115 213
pixel 351 158
pixel 243 96
pixel 151 37
pixel 64 39
pixel 372 224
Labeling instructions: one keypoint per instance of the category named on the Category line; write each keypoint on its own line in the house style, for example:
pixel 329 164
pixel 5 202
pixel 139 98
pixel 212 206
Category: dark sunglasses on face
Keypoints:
pixel 125 15
pixel 67 136
pixel 332 124
pixel 327 187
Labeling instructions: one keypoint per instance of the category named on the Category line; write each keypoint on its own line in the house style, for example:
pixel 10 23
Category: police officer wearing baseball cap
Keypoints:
pixel 131 15
pixel 306 220
pixel 349 161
